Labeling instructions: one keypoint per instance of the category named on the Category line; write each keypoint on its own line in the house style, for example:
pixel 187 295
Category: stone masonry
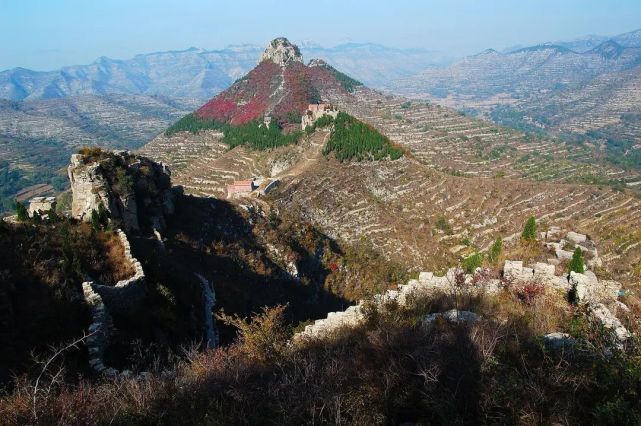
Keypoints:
pixel 102 299
pixel 598 296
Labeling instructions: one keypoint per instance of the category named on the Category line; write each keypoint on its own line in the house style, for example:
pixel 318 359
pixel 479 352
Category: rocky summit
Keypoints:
pixel 281 52
pixel 280 86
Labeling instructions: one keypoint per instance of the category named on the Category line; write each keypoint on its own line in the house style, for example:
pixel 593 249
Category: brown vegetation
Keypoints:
pixel 390 370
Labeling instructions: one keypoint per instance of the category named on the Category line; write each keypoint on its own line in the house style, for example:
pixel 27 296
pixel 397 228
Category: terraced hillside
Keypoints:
pixel 588 96
pixel 608 107
pixel 517 75
pixel 449 141
pixel 464 183
pixel 37 137
pixel 410 209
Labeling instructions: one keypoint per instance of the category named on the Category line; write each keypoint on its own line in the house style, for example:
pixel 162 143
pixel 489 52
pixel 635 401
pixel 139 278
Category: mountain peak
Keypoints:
pixel 608 50
pixel 281 52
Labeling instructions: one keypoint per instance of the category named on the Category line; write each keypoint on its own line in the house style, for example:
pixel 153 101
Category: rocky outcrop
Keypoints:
pixel 135 191
pixel 88 186
pixel 281 52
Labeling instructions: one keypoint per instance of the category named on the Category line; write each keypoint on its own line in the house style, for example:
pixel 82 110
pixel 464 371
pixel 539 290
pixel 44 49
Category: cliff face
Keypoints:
pixel 134 190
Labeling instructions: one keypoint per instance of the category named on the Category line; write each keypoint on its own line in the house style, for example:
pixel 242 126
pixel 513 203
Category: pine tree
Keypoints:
pixel 95 220
pixel 576 264
pixel 21 212
pixel 103 216
pixel 495 250
pixel 529 231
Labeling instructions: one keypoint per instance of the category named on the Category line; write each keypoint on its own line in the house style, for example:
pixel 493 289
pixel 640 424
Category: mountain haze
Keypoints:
pixel 199 73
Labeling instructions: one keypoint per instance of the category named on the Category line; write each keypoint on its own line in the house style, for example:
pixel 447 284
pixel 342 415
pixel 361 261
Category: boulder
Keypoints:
pixel 563 254
pixel 541 268
pixel 453 316
pixel 576 238
pixel 513 268
pixel 583 285
pixel 558 341
pixel 603 316
pixel 425 277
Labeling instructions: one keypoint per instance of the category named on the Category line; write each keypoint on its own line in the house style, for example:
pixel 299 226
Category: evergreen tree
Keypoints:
pixel 495 250
pixel 21 211
pixel 529 231
pixel 103 216
pixel 95 220
pixel 576 264
pixel 354 140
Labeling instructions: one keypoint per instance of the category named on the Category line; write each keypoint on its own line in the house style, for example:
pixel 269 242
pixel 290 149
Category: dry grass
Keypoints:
pixel 389 371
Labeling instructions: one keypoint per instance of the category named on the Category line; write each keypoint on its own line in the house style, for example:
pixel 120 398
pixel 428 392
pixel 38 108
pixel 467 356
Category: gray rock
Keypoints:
pixel 558 341
pixel 281 52
pixel 454 316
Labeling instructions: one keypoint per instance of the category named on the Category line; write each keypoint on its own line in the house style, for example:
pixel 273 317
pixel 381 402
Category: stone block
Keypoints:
pixel 576 237
pixel 513 268
pixel 541 268
pixel 425 277
pixel 564 255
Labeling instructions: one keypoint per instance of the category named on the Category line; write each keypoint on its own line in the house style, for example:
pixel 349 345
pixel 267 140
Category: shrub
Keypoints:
pixel 576 264
pixel 264 337
pixel 92 153
pixel 21 212
pixel 472 262
pixel 530 291
pixel 529 230
pixel 444 225
pixel 95 220
pixel 495 251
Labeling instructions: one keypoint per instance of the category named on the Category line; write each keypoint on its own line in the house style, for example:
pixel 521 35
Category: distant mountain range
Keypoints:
pixel 518 74
pixel 200 74
pixel 573 89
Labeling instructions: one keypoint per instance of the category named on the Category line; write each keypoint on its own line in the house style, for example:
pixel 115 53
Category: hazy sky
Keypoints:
pixel 47 34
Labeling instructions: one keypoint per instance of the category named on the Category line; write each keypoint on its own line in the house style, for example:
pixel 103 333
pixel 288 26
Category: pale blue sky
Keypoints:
pixel 47 34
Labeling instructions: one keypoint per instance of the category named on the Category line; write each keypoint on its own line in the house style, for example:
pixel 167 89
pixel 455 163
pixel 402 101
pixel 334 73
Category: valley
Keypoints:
pixel 37 137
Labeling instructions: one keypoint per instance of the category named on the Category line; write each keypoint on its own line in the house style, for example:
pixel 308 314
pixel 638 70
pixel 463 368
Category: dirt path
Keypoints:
pixel 312 155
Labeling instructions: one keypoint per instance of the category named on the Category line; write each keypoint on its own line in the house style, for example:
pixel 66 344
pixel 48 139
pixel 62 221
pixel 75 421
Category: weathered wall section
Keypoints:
pixel 99 330
pixel 600 297
pixel 105 301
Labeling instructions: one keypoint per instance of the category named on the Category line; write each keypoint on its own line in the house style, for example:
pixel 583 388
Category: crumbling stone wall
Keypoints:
pixel 99 330
pixel 104 301
pixel 210 333
pixel 599 297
